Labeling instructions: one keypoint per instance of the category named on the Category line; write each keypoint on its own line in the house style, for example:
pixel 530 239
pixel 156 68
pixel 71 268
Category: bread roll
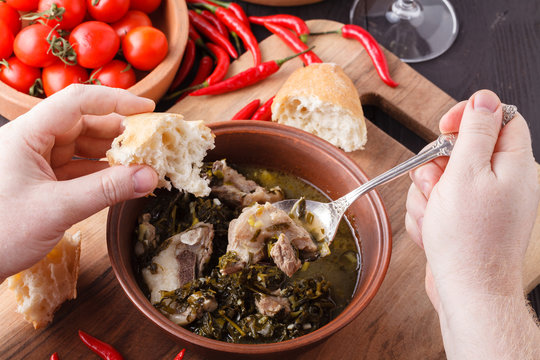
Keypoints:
pixel 41 289
pixel 322 100
pixel 173 147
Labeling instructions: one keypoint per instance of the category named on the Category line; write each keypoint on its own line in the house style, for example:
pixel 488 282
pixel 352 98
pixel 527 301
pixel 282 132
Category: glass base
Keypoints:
pixel 414 35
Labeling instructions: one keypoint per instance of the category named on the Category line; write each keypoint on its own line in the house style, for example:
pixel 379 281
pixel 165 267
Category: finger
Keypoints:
pixel 416 203
pixel 84 196
pixel 60 112
pixel 515 137
pixel 478 133
pixel 85 147
pixel 78 168
pixel 414 232
pixel 101 127
pixel 92 148
pixel 450 121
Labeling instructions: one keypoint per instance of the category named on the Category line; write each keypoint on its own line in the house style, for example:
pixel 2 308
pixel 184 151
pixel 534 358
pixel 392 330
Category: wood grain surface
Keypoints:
pixel 399 323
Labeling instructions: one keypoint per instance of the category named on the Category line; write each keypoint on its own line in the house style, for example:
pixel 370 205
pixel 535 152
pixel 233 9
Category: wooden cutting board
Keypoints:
pixel 399 323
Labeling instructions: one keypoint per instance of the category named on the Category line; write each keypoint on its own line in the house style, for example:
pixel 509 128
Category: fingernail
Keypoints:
pixel 144 180
pixel 486 101
pixel 425 187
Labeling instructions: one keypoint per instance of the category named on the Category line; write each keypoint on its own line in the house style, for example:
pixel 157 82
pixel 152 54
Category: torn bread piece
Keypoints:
pixel 41 289
pixel 173 147
pixel 321 99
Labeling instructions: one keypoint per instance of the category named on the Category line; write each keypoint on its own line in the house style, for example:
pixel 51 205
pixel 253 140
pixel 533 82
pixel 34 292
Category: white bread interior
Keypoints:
pixel 41 289
pixel 173 147
pixel 321 99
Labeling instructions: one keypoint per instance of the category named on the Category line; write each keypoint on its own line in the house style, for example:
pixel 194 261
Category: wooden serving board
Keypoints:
pixel 400 323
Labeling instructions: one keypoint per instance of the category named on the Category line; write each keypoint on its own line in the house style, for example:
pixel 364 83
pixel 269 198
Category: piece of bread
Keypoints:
pixel 173 147
pixel 322 100
pixel 41 289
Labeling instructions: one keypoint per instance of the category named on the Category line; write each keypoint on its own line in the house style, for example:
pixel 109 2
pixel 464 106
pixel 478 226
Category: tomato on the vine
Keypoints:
pixel 10 17
pixel 23 5
pixel 31 45
pixel 95 43
pixel 107 10
pixel 132 19
pixel 73 15
pixel 59 75
pixel 117 74
pixel 145 47
pixel 6 42
pixel 146 6
pixel 18 75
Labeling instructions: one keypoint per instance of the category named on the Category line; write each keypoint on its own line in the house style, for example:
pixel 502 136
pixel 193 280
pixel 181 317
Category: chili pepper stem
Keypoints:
pixel 326 32
pixel 284 60
pixel 180 92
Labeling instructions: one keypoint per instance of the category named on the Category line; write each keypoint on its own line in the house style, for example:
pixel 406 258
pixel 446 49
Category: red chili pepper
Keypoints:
pixel 294 43
pixel 235 9
pixel 211 32
pixel 245 78
pixel 102 349
pixel 222 65
pixel 290 22
pixel 187 63
pixel 180 355
pixel 194 35
pixel 212 19
pixel 234 24
pixel 247 111
pixel 203 71
pixel 265 111
pixel 373 49
pixel 54 356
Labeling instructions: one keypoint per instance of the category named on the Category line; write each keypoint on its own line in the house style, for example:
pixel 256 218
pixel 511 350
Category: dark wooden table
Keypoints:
pixel 497 48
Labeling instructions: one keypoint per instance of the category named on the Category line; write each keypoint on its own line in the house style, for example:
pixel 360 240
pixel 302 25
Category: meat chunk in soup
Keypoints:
pixel 270 305
pixel 256 225
pixel 236 190
pixel 284 255
pixel 181 261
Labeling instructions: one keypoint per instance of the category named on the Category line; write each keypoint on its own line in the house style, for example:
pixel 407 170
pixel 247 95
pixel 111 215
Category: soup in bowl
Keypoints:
pixel 261 302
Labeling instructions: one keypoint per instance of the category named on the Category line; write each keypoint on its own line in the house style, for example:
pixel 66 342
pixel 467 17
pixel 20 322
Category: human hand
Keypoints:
pixel 473 213
pixel 43 190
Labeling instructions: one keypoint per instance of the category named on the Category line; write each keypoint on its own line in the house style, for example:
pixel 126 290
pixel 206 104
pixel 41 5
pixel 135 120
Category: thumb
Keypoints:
pixel 89 194
pixel 478 131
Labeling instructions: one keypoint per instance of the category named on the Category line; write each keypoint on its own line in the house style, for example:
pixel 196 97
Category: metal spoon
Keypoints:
pixel 330 214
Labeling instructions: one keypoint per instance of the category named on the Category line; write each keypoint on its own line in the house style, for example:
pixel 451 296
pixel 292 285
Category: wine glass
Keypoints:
pixel 414 30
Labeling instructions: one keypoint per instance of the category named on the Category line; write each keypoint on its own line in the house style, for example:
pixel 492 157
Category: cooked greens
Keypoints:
pixel 259 303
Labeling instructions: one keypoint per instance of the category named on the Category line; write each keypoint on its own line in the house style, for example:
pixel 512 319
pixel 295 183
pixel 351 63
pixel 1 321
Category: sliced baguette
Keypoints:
pixel 41 289
pixel 173 147
pixel 321 99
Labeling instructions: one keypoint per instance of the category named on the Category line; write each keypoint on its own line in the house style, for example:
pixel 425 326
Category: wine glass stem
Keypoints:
pixel 406 9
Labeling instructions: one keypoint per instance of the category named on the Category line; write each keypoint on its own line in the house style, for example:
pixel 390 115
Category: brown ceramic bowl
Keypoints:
pixel 293 151
pixel 171 18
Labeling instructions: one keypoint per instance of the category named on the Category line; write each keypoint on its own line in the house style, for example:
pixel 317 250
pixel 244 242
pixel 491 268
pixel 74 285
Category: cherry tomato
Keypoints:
pixel 10 17
pixel 74 12
pixel 6 42
pixel 117 74
pixel 59 75
pixel 132 19
pixel 107 10
pixel 23 5
pixel 31 46
pixel 146 6
pixel 18 75
pixel 95 43
pixel 144 47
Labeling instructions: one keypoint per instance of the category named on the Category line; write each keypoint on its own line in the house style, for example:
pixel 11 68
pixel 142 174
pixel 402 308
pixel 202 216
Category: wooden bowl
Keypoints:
pixel 296 152
pixel 172 19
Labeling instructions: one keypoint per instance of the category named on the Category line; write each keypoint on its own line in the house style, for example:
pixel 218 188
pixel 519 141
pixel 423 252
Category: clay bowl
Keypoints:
pixel 273 146
pixel 171 18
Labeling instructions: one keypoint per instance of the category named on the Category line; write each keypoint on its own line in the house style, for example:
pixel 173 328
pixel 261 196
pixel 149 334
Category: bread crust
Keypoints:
pixel 317 85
